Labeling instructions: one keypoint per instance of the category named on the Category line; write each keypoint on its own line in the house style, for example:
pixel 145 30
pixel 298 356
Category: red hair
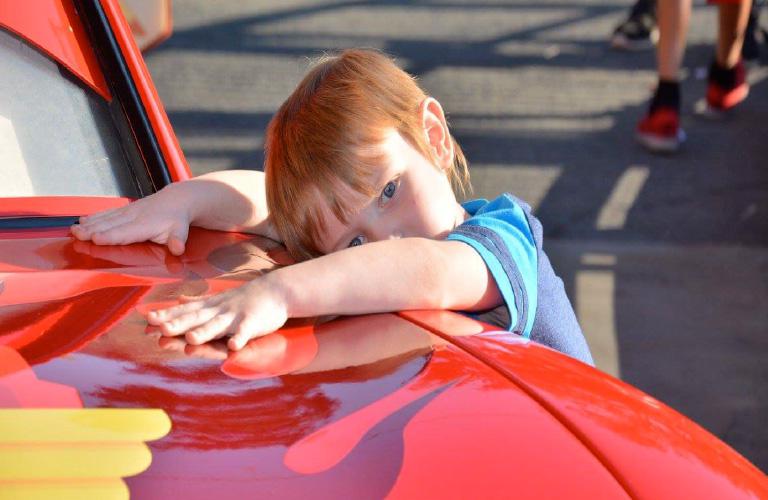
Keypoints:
pixel 324 136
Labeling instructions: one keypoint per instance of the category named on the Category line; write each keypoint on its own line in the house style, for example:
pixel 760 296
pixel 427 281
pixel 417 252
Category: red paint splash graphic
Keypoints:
pixel 327 447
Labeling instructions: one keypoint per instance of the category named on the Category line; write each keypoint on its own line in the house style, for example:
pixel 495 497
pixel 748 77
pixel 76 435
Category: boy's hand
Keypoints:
pixel 252 310
pixel 159 218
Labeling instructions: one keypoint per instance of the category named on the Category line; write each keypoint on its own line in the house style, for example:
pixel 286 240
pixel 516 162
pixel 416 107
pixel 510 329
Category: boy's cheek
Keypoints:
pixel 430 222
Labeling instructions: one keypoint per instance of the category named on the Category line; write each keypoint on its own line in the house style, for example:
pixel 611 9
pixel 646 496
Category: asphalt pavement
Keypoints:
pixel 664 258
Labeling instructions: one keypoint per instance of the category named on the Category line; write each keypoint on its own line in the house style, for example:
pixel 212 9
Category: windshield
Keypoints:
pixel 56 136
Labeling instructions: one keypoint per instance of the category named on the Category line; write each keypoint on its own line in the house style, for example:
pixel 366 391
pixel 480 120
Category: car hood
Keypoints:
pixel 379 405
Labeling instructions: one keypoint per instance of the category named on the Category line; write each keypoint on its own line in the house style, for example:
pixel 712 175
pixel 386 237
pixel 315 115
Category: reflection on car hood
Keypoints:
pixel 360 406
pixel 402 405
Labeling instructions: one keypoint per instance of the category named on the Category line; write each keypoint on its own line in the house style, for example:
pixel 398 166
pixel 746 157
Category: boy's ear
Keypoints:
pixel 436 130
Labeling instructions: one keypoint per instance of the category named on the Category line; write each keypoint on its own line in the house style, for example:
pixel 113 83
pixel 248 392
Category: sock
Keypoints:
pixel 667 95
pixel 724 77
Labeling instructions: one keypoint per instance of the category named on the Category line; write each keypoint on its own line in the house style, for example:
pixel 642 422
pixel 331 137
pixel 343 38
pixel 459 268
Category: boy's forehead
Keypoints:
pixel 331 228
pixel 375 162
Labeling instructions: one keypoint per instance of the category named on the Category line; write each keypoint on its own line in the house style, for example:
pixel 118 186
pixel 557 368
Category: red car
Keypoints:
pixel 414 404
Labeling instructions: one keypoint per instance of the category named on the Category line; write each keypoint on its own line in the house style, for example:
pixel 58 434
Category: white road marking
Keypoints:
pixel 598 259
pixel 613 214
pixel 595 309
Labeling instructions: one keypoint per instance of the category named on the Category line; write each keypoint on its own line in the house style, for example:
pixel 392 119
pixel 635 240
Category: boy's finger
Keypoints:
pixel 214 328
pixel 84 233
pixel 101 225
pixel 238 341
pixel 117 235
pixel 106 223
pixel 176 246
pixel 185 322
pixel 177 237
pixel 130 231
pixel 160 316
pixel 246 330
pixel 78 232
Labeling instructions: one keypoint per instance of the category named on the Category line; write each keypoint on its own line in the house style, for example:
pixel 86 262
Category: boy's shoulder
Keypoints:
pixel 504 201
pixel 507 209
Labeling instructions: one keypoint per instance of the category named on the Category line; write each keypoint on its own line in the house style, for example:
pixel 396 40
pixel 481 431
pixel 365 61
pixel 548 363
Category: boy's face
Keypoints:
pixel 414 199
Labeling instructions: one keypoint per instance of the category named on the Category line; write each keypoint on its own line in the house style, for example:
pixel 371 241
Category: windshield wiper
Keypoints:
pixel 37 222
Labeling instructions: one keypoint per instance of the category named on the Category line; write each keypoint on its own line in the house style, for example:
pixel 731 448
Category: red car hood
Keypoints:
pixel 402 405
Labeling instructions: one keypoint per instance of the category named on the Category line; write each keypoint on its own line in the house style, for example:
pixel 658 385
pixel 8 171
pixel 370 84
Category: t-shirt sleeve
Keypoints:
pixel 500 233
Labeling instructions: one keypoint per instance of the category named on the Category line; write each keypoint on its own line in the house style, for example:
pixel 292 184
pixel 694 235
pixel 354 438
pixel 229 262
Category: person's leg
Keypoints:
pixel 730 36
pixel 638 31
pixel 727 84
pixel 673 17
pixel 659 131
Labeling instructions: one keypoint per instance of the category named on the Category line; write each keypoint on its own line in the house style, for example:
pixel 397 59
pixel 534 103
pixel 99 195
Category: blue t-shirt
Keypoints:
pixel 499 232
pixel 509 240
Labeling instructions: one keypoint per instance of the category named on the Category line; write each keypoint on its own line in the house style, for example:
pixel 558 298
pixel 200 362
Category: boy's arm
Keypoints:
pixel 232 200
pixel 391 275
pixel 229 200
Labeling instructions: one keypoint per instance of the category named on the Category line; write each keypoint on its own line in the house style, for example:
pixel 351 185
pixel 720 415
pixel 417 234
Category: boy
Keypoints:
pixel 360 169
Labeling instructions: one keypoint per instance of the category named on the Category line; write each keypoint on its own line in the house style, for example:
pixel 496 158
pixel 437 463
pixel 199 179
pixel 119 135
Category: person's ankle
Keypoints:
pixel 723 75
pixel 667 95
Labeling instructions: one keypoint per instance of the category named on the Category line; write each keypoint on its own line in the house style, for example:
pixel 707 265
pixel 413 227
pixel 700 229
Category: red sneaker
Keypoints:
pixel 659 131
pixel 722 97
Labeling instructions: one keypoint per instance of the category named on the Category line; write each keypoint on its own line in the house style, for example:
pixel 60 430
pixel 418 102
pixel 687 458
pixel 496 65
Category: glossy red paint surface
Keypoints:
pixel 20 387
pixel 364 406
pixel 58 206
pixel 54 27
pixel 169 144
pixel 654 451
pixel 409 405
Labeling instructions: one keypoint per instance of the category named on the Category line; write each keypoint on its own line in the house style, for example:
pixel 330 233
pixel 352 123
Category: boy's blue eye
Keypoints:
pixel 389 191
pixel 356 241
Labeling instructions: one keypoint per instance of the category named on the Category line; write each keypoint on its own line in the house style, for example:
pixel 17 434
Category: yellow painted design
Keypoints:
pixel 21 425
pixel 61 461
pixel 113 489
pixel 75 453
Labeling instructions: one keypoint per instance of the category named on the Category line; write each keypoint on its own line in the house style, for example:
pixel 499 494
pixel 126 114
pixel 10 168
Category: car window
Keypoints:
pixel 57 137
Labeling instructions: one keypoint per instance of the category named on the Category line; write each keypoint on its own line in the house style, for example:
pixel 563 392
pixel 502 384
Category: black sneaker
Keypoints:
pixel 636 33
